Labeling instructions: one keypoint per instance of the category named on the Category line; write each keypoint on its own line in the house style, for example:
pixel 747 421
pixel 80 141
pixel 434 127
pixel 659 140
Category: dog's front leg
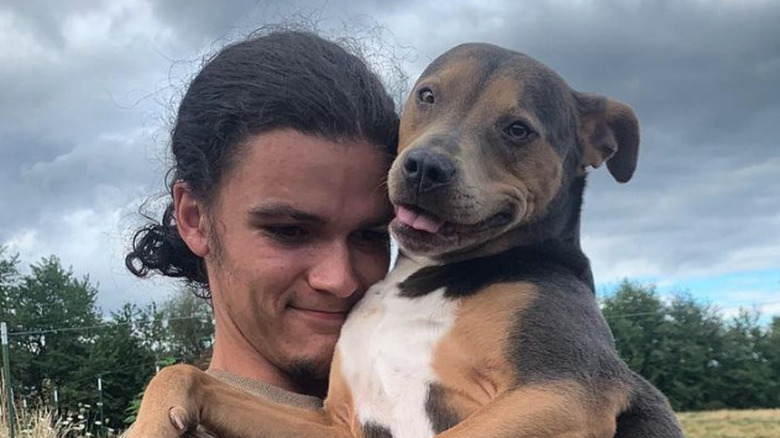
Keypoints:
pixel 170 405
pixel 546 411
pixel 182 397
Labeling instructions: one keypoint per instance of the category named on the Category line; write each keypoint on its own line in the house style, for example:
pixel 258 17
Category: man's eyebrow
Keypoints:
pixel 284 211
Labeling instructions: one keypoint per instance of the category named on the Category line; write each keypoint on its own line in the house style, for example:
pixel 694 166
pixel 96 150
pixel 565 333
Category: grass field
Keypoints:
pixel 764 423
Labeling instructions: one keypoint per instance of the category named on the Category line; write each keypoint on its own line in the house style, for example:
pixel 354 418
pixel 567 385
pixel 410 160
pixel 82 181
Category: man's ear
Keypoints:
pixel 191 219
pixel 608 131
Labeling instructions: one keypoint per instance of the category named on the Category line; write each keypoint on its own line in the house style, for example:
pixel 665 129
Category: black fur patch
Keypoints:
pixel 371 430
pixel 562 335
pixel 441 416
pixel 648 415
pixel 522 263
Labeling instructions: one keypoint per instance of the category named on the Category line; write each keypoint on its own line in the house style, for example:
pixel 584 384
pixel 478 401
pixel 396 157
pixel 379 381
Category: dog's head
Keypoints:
pixel 489 138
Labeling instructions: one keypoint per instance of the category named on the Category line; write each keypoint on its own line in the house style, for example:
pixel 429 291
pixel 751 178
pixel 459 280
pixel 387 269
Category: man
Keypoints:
pixel 278 206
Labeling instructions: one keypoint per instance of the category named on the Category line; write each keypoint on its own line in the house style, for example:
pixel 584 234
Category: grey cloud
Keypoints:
pixel 83 121
pixel 705 81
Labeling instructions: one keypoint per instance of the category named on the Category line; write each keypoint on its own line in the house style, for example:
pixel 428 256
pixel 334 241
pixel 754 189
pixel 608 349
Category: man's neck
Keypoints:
pixel 234 354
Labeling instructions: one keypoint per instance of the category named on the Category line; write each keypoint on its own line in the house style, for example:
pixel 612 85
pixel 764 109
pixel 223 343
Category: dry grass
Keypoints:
pixel 763 423
pixel 39 423
pixel 36 424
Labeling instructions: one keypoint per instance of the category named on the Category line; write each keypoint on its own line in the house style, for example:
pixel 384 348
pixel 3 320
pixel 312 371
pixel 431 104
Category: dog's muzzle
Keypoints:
pixel 424 171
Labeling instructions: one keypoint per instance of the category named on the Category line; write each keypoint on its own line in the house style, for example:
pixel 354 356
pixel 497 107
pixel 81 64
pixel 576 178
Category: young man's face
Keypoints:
pixel 297 233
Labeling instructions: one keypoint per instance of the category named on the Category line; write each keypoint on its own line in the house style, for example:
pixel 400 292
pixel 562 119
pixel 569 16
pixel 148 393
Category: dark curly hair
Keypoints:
pixel 285 79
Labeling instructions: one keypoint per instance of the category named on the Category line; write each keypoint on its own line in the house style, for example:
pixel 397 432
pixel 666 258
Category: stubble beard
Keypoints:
pixel 309 377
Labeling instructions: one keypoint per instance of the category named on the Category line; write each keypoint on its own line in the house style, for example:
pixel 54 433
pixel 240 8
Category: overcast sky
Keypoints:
pixel 87 91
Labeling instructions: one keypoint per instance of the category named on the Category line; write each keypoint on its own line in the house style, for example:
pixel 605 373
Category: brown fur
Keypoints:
pixel 469 361
pixel 551 410
pixel 339 403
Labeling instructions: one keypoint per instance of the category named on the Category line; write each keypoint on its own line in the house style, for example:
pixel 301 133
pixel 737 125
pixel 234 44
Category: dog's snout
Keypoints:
pixel 427 170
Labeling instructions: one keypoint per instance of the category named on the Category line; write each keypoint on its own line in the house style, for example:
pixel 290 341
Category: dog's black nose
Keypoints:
pixel 427 170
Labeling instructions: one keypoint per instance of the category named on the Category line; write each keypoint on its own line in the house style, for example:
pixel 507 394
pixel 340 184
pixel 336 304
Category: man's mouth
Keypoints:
pixel 323 315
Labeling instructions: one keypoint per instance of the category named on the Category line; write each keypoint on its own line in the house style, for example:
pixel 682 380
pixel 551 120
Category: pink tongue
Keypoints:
pixel 418 221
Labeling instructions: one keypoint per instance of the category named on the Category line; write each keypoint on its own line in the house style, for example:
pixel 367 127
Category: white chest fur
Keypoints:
pixel 386 348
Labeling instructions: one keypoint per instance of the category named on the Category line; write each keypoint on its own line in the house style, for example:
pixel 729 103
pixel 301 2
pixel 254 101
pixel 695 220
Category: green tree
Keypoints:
pixel 190 327
pixel 44 312
pixel 180 328
pixel 694 344
pixel 9 278
pixel 151 327
pixel 121 359
pixel 770 350
pixel 60 340
pixel 637 318
pixel 692 354
pixel 746 371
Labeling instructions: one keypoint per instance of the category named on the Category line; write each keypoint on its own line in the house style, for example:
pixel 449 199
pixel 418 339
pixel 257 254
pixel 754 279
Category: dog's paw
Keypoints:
pixel 177 423
pixel 181 420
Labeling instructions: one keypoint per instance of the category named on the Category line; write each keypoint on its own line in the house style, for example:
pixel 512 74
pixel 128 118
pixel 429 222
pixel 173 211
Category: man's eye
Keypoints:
pixel 287 233
pixel 374 237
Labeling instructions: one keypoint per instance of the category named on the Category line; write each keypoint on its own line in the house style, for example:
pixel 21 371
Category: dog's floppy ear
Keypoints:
pixel 608 131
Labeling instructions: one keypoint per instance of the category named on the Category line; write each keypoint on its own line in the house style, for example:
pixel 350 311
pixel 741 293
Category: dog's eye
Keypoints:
pixel 425 95
pixel 518 131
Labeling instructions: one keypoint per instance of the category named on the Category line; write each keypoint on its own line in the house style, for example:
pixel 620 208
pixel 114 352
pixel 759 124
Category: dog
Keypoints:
pixel 487 326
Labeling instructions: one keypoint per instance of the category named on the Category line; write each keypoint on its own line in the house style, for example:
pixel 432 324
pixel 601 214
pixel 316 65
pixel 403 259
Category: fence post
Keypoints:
pixel 7 373
pixel 100 405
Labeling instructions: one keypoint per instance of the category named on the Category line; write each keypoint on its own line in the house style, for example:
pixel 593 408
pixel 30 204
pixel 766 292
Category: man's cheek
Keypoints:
pixel 376 268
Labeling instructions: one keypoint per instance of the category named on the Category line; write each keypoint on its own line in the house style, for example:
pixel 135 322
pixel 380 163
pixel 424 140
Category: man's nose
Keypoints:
pixel 334 272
